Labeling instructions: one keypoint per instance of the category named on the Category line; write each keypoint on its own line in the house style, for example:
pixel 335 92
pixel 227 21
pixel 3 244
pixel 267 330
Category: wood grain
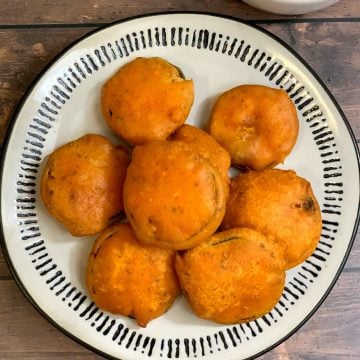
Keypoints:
pixel 95 11
pixel 23 54
pixel 332 49
pixel 39 339
pixel 4 270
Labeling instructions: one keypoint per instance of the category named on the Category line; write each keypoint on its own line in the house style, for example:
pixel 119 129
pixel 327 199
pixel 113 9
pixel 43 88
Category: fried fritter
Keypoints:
pixel 173 197
pixel 124 277
pixel 279 204
pixel 82 184
pixel 257 125
pixel 147 99
pixel 236 276
pixel 207 147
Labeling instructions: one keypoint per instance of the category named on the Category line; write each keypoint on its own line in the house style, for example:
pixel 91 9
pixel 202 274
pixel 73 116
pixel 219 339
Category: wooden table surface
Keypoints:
pixel 32 32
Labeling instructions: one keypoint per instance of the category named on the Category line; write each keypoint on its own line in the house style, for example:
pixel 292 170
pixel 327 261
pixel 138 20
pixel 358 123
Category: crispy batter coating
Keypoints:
pixel 147 99
pixel 207 147
pixel 256 124
pixel 173 197
pixel 82 184
pixel 124 277
pixel 279 204
pixel 236 276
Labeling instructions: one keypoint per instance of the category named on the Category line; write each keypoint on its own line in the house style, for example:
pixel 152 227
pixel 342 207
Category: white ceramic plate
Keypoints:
pixel 63 104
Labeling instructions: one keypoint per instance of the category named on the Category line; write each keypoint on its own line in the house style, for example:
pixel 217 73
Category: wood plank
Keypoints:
pixel 23 54
pixel 336 322
pixel 25 334
pixel 4 270
pixel 353 262
pixel 94 11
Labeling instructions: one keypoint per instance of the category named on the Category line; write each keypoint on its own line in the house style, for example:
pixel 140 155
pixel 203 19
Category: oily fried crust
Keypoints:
pixel 206 146
pixel 147 99
pixel 126 278
pixel 178 201
pixel 236 276
pixel 257 125
pixel 82 184
pixel 279 204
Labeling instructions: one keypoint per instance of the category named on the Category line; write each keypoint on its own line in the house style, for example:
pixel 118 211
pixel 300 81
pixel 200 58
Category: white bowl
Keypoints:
pixel 290 7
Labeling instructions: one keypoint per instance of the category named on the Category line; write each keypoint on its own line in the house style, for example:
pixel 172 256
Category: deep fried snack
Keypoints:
pixel 279 204
pixel 207 147
pixel 236 276
pixel 256 124
pixel 173 197
pixel 124 277
pixel 82 184
pixel 147 99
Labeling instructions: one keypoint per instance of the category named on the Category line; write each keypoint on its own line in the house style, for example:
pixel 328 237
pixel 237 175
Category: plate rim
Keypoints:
pixel 101 27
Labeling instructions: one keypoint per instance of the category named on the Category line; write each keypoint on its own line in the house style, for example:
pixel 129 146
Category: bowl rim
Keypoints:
pixel 292 2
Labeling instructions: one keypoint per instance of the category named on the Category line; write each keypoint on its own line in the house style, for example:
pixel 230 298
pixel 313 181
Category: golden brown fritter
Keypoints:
pixel 256 124
pixel 82 184
pixel 207 147
pixel 173 197
pixel 279 204
pixel 147 99
pixel 236 276
pixel 124 277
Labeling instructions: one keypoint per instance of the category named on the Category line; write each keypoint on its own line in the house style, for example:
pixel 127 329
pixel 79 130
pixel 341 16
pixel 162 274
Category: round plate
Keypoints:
pixel 218 53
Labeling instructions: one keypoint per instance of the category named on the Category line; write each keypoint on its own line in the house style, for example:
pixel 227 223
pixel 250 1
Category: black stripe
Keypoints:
pixel 101 326
pixel 131 338
pixel 253 333
pixel 169 353
pixel 82 299
pixel 222 337
pixel 231 337
pixel 138 340
pixel 177 342
pixel 123 336
pixel 46 271
pixel 152 344
pixel 107 330
pixel 208 339
pixel 117 332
